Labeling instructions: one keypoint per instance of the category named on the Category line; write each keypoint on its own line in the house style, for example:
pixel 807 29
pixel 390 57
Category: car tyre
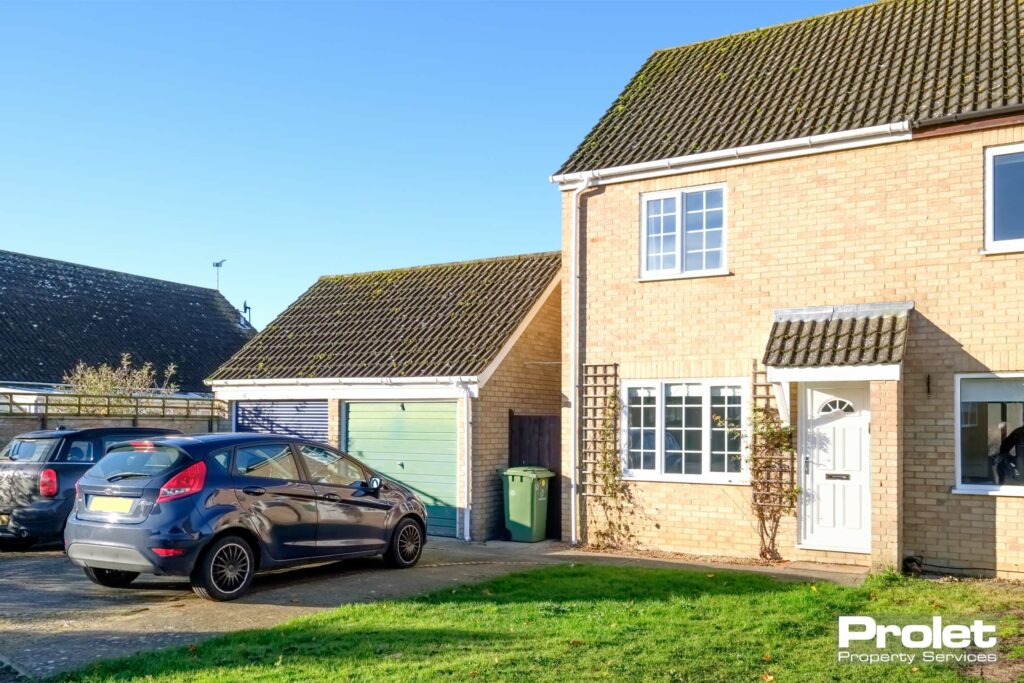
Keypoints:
pixel 225 570
pixel 406 544
pixel 111 578
pixel 14 544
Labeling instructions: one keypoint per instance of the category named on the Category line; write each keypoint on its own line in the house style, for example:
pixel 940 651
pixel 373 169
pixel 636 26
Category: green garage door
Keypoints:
pixel 412 443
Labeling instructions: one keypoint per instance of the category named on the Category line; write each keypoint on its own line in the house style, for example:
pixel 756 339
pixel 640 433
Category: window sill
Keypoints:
pixel 997 250
pixel 1008 491
pixel 722 272
pixel 730 481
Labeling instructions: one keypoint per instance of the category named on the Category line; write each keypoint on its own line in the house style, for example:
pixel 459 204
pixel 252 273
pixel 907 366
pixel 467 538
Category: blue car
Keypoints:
pixel 217 508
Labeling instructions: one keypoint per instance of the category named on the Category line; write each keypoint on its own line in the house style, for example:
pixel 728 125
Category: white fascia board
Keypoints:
pixel 306 381
pixel 523 325
pixel 836 373
pixel 347 392
pixel 736 156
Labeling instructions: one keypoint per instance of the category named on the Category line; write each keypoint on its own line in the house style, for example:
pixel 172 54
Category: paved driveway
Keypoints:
pixel 53 619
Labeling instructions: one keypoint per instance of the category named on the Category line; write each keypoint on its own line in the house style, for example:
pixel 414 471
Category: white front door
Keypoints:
pixel 835 467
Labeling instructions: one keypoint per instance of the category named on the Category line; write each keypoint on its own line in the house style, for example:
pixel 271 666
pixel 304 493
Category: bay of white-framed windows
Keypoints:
pixel 685 430
pixel 1004 198
pixel 683 232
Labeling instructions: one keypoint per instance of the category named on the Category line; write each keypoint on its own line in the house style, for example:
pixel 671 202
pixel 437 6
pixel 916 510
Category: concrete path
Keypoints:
pixel 53 619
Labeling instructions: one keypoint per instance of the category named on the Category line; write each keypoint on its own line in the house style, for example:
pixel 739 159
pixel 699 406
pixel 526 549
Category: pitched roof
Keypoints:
pixel 865 334
pixel 431 321
pixel 54 314
pixel 887 62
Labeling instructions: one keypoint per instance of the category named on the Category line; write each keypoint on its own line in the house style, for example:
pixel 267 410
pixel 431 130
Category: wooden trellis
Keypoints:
pixel 776 473
pixel 599 426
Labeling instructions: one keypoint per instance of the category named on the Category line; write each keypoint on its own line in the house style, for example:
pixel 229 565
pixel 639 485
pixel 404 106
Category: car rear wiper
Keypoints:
pixel 128 475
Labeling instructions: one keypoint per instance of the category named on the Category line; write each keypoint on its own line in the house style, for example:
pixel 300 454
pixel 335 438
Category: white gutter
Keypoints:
pixel 574 343
pixel 749 154
pixel 469 461
pixel 306 381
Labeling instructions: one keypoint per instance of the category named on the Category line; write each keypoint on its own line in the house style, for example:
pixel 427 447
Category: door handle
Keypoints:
pixel 254 490
pixel 331 497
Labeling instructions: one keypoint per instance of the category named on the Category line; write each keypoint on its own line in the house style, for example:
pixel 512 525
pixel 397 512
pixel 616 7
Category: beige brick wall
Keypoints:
pixel 527 382
pixel 888 223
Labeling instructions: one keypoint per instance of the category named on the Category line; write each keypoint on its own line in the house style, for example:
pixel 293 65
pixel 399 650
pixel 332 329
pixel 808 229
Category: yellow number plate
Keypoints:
pixel 110 504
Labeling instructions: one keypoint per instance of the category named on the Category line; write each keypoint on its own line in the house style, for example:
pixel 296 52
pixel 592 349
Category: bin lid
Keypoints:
pixel 530 471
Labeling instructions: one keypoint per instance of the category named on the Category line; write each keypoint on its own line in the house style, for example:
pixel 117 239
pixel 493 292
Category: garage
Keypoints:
pixel 415 443
pixel 302 419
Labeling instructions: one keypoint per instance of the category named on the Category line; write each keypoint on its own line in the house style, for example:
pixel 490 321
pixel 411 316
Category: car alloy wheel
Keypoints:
pixel 409 542
pixel 230 568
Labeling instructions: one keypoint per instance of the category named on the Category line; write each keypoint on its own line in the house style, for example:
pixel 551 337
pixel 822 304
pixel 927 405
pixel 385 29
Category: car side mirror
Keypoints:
pixel 374 484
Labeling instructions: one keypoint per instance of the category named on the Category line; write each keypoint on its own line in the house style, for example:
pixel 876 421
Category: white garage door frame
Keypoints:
pixel 386 390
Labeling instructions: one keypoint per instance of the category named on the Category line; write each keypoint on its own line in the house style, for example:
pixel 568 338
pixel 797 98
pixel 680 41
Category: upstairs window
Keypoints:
pixel 1004 198
pixel 684 232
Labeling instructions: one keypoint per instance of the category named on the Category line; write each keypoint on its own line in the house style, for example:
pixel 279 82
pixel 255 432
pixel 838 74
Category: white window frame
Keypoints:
pixel 706 477
pixel 680 271
pixel 976 489
pixel 991 245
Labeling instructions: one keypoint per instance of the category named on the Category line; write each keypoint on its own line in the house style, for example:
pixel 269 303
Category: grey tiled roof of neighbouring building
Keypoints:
pixel 54 314
pixel 442 320
pixel 917 61
pixel 865 334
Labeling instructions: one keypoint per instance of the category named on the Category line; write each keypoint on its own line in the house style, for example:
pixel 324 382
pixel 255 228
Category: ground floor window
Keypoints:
pixel 990 426
pixel 684 430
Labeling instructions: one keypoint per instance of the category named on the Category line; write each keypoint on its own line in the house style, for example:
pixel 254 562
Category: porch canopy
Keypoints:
pixel 836 343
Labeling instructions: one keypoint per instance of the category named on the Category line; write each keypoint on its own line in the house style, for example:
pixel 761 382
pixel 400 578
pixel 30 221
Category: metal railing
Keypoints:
pixel 50 404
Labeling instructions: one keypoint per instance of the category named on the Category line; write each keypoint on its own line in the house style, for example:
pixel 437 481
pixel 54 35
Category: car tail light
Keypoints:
pixel 185 483
pixel 143 446
pixel 47 483
pixel 169 552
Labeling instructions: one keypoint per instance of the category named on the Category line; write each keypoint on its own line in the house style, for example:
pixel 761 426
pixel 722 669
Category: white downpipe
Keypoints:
pixel 468 436
pixel 574 337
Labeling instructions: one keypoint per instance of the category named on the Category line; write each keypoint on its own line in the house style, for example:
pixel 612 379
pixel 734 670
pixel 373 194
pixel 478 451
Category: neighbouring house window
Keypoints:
pixel 684 430
pixel 1004 198
pixel 991 433
pixel 684 232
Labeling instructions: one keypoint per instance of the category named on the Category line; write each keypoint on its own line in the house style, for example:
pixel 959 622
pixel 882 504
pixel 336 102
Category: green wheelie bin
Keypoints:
pixel 526 502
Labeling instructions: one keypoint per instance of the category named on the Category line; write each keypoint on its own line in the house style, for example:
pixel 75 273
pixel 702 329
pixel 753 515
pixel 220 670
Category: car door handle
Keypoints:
pixel 331 497
pixel 254 490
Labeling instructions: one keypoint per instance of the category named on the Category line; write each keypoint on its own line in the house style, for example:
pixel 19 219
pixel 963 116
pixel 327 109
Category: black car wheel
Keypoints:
pixel 406 544
pixel 16 543
pixel 225 570
pixel 111 578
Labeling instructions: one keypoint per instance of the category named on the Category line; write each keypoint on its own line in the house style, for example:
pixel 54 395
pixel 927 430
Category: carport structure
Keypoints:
pixel 416 372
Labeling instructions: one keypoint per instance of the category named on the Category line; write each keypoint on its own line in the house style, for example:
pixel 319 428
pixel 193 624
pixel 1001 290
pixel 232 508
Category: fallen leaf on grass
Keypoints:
pixel 766 677
pixel 766 658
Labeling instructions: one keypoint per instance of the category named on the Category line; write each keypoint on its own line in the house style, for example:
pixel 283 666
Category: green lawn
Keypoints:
pixel 578 622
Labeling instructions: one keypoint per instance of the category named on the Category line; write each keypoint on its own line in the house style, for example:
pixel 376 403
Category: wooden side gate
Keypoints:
pixel 537 440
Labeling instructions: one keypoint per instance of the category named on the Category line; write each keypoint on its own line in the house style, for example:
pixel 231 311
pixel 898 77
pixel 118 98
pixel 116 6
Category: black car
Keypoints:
pixel 38 471
pixel 217 508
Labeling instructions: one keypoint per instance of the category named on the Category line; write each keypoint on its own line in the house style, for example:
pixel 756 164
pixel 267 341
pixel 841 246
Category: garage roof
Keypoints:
pixel 444 320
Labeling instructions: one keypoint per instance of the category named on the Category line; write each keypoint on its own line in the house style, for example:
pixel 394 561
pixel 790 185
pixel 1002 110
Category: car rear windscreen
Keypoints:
pixel 138 460
pixel 29 450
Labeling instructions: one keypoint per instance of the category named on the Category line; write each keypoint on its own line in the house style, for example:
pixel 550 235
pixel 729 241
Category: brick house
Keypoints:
pixel 393 365
pixel 841 200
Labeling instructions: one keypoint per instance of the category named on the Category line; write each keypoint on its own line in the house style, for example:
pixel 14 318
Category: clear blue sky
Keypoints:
pixel 297 139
